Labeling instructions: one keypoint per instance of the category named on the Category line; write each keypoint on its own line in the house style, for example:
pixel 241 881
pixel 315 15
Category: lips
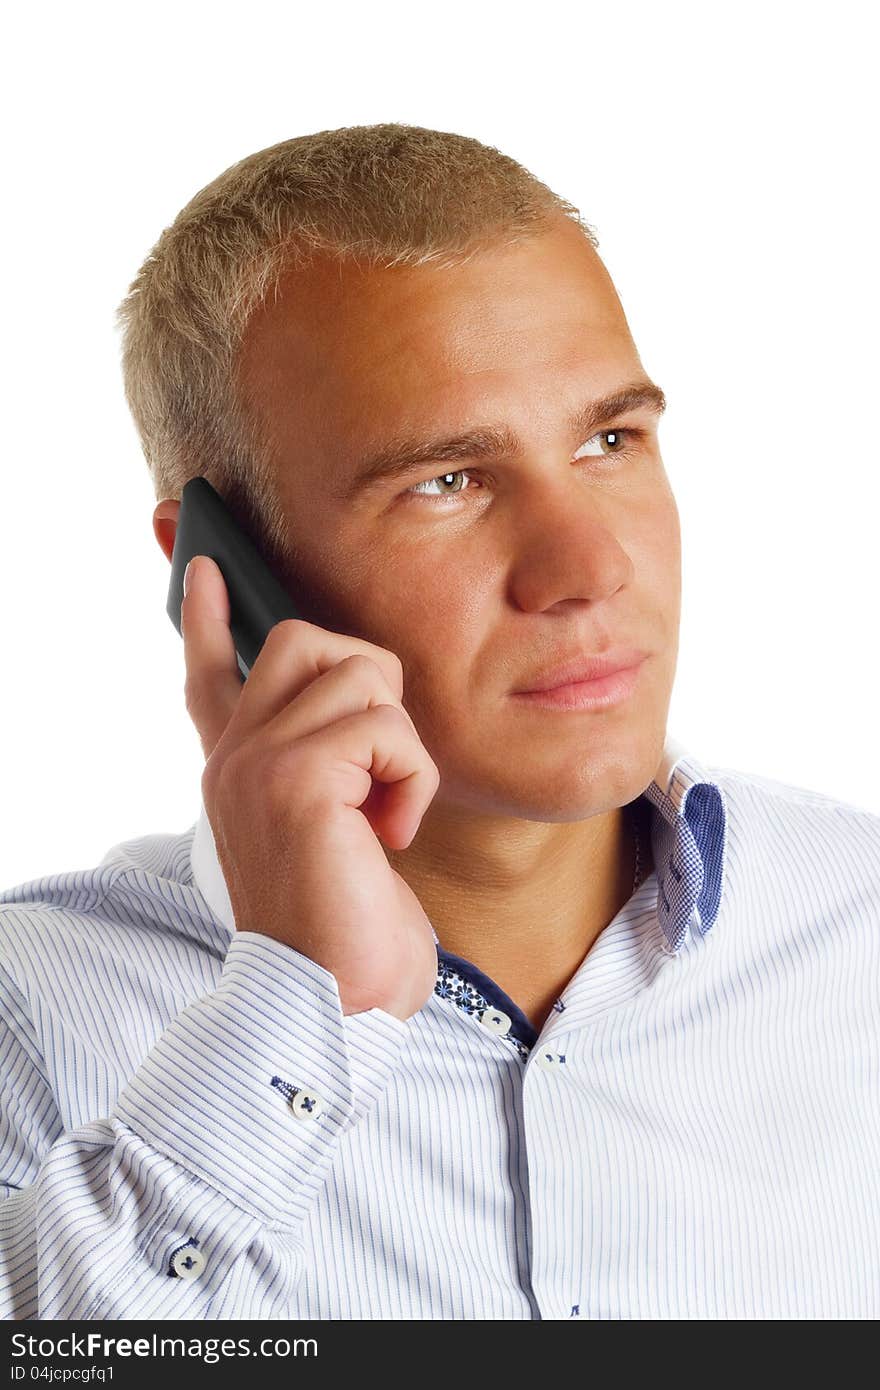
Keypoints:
pixel 583 668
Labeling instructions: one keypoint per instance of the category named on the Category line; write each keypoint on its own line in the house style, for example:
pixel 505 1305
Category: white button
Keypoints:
pixel 545 1058
pixel 306 1105
pixel 495 1021
pixel 188 1262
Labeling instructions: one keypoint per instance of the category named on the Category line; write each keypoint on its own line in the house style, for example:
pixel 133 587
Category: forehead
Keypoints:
pixel 372 349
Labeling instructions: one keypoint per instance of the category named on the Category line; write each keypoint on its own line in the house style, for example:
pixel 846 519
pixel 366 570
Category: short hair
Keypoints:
pixel 381 195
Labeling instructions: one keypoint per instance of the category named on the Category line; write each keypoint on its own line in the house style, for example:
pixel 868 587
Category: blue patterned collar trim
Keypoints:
pixel 689 844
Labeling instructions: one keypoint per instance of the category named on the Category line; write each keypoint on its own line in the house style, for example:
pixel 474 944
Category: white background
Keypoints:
pixel 726 157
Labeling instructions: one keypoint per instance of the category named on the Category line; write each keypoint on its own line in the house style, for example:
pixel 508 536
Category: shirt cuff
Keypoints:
pixel 252 1086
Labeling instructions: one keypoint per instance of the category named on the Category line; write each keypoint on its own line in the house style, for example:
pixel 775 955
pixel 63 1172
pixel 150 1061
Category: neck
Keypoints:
pixel 522 900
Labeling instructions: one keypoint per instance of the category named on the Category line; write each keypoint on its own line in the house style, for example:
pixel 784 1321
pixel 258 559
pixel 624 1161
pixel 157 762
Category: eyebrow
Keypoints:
pixel 401 456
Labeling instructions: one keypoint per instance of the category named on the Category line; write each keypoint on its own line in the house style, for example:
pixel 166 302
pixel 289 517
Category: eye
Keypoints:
pixel 416 490
pixel 618 439
pixel 615 437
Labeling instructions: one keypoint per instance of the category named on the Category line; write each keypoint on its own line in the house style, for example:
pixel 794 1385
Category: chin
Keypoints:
pixel 553 789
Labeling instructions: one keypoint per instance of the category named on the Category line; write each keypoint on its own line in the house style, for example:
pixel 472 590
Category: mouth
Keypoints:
pixel 602 691
pixel 580 667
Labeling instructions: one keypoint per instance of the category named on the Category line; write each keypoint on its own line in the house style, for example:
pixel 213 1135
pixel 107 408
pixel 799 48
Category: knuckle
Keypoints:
pixel 392 715
pixel 364 665
pixel 392 668
pixel 191 695
pixel 288 630
pixel 389 667
pixel 398 664
pixel 294 626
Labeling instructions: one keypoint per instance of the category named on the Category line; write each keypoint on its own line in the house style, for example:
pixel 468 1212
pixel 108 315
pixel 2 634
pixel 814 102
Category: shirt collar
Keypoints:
pixel 688 842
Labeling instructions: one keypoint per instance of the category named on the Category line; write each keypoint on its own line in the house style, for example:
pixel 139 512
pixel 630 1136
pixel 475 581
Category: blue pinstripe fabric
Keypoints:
pixel 695 1132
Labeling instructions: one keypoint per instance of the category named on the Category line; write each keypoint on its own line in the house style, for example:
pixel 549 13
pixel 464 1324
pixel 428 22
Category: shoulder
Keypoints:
pixel 795 856
pixel 136 911
pixel 761 804
pixel 96 962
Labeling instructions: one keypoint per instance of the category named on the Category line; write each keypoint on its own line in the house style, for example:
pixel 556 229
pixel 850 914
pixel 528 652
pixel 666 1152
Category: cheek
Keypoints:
pixel 655 549
pixel 427 612
pixel 439 624
pixel 438 621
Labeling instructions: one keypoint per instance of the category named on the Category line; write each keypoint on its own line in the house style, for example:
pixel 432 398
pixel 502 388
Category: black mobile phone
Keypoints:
pixel 257 599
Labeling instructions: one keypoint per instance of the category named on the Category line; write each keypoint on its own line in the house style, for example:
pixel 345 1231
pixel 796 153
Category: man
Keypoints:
pixel 603 1043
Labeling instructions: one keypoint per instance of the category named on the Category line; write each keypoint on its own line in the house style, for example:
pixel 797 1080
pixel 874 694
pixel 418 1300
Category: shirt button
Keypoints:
pixel 495 1021
pixel 188 1262
pixel 545 1058
pixel 306 1105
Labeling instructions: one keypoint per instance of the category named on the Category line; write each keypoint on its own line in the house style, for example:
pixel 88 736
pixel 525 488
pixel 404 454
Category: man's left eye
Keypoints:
pixel 615 437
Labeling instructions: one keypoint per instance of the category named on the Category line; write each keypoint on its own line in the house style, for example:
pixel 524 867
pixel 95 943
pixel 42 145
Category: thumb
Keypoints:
pixel 213 680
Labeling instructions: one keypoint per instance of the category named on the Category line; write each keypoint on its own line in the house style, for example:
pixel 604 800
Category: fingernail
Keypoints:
pixel 186 575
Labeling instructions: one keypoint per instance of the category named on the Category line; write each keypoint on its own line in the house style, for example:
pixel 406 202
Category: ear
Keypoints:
pixel 165 525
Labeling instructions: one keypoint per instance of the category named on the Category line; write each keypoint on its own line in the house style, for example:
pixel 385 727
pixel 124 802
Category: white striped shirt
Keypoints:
pixel 190 1127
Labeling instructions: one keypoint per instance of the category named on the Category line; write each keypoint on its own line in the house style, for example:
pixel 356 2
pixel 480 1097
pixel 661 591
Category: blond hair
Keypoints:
pixel 386 195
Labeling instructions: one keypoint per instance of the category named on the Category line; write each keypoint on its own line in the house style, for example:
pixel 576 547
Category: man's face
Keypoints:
pixel 480 572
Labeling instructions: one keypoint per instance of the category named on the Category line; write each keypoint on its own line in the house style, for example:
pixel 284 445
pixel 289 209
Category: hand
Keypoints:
pixel 307 763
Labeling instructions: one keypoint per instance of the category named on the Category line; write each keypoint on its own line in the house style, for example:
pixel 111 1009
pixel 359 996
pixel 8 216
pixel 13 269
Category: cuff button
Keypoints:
pixel 188 1262
pixel 306 1105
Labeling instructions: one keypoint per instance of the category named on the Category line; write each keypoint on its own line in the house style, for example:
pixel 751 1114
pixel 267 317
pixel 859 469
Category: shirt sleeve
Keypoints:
pixel 188 1199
